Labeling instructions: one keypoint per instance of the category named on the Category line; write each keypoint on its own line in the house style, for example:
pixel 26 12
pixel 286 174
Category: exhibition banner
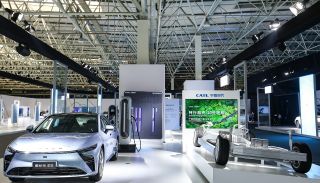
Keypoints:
pixel 215 109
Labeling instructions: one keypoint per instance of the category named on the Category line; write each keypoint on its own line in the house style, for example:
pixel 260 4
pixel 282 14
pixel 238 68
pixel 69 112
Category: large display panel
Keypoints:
pixel 218 113
pixel 308 105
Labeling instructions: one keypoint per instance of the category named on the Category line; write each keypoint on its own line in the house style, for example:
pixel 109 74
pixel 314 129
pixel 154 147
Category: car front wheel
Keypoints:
pixel 98 176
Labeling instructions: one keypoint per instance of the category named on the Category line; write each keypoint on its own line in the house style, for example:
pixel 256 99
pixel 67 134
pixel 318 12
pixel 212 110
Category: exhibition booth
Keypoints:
pixel 209 126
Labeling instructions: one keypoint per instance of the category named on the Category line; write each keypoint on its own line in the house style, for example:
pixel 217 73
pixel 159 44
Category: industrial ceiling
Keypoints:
pixel 103 35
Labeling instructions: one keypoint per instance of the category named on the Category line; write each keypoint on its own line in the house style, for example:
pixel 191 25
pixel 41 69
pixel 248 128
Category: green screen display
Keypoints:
pixel 221 113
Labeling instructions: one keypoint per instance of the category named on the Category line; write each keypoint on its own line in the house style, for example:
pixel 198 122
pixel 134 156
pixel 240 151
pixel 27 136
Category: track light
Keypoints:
pixel 256 37
pixel 28 27
pixel 298 7
pixel 81 39
pixel 224 60
pixel 282 46
pixel 206 23
pixel 23 50
pixel 14 16
pixel 275 24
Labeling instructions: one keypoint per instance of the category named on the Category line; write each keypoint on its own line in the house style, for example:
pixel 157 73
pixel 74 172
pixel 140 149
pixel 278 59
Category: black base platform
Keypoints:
pixel 129 148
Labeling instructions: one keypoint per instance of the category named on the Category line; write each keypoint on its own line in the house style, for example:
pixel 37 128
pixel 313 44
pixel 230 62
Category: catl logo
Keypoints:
pixel 218 95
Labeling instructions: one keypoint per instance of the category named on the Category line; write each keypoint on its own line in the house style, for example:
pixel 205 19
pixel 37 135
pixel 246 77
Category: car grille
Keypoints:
pixel 89 160
pixel 28 171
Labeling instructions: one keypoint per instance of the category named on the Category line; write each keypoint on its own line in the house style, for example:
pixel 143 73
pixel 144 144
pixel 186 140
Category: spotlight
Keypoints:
pixel 282 46
pixel 23 50
pixel 224 60
pixel 81 39
pixel 206 23
pixel 286 73
pixel 256 37
pixel 264 80
pixel 298 7
pixel 275 24
pixel 28 27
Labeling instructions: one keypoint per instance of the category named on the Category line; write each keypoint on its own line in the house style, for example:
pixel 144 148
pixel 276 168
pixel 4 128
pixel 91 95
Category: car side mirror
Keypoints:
pixel 29 128
pixel 109 127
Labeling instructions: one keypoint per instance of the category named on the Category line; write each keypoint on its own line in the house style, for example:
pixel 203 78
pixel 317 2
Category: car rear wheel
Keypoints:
pixel 221 151
pixel 116 152
pixel 302 166
pixel 98 176
pixel 16 179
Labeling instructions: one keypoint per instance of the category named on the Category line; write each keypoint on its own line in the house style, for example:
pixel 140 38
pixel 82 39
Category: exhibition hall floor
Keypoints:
pixel 155 163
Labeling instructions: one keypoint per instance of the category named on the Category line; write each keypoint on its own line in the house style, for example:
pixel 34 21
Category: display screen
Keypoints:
pixel 219 113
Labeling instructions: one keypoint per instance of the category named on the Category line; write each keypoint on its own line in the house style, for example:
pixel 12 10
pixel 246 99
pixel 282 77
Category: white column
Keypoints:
pixel 172 83
pixel 308 105
pixel 143 42
pixel 198 58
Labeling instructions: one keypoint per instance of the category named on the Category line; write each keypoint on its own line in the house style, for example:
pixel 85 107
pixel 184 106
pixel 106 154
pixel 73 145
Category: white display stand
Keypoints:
pixel 187 134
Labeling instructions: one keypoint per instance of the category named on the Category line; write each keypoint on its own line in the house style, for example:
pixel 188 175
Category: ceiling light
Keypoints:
pixel 256 37
pixel 286 73
pixel 224 60
pixel 28 27
pixel 81 39
pixel 264 80
pixel 282 46
pixel 23 50
pixel 275 24
pixel 206 23
pixel 298 7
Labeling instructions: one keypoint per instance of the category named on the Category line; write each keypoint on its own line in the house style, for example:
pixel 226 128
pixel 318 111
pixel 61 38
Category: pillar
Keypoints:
pixel 172 83
pixel 143 42
pixel 198 58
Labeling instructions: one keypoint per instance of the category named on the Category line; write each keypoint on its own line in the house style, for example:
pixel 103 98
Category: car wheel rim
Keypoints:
pixel 295 164
pixel 101 161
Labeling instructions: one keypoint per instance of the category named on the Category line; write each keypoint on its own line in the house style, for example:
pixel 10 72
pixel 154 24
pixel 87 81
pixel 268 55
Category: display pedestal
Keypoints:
pixel 247 172
pixel 127 148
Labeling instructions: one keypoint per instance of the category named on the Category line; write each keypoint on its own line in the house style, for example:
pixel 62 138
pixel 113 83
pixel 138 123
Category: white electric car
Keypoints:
pixel 63 145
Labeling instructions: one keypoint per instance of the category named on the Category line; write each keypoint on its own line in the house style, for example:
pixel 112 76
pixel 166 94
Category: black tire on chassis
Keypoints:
pixel 115 156
pixel 221 151
pixel 98 176
pixel 300 166
pixel 16 179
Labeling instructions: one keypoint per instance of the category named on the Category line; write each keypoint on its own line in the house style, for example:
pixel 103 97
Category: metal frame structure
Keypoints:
pixel 103 34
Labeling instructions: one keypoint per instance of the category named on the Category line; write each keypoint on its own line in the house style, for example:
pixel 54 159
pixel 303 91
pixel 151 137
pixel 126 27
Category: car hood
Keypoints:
pixel 49 143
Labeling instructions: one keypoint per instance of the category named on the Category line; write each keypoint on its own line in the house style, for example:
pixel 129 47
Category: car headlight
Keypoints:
pixel 87 149
pixel 11 150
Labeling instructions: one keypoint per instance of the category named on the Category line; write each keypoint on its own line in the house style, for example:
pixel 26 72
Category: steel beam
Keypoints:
pixel 296 25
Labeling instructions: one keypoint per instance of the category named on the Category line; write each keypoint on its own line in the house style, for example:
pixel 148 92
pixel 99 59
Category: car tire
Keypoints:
pixel 16 179
pixel 301 166
pixel 221 151
pixel 115 155
pixel 98 176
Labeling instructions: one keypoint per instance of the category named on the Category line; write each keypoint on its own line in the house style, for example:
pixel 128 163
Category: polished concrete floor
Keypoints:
pixel 157 162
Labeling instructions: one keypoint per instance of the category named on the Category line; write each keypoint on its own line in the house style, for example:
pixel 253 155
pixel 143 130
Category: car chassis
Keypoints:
pixel 236 143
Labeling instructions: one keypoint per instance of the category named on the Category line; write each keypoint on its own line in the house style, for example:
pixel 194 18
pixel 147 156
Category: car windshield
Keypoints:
pixel 68 124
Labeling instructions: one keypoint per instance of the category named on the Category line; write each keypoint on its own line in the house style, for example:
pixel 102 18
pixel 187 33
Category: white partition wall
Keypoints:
pixel 307 105
pixel 199 114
